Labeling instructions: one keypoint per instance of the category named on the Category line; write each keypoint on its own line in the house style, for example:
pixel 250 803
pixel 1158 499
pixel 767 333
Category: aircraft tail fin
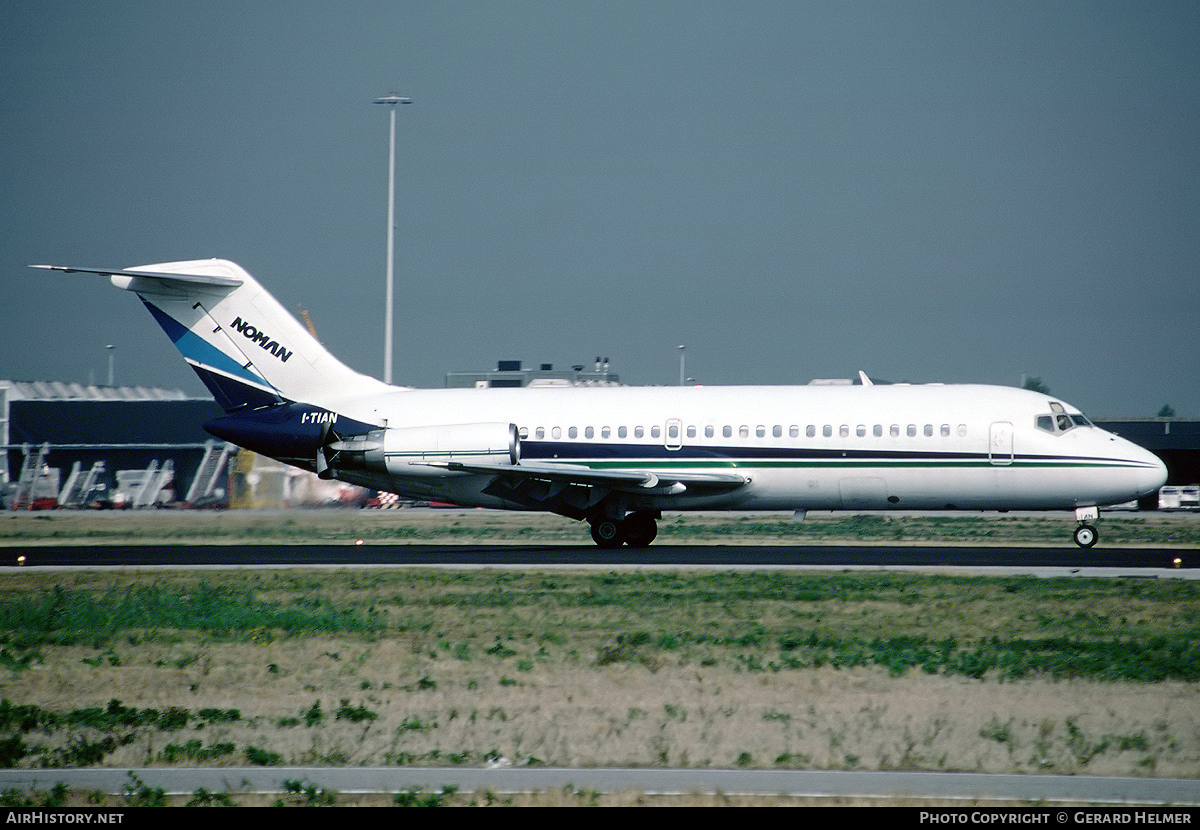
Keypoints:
pixel 246 348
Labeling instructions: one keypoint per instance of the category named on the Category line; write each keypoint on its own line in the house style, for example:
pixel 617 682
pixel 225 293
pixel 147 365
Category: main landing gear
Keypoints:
pixel 1085 534
pixel 636 530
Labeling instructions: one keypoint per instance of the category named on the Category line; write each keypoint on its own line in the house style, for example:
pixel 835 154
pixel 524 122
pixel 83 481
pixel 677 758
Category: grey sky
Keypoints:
pixel 928 191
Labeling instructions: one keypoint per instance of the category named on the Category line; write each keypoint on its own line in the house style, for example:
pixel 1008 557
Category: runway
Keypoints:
pixel 970 788
pixel 1135 562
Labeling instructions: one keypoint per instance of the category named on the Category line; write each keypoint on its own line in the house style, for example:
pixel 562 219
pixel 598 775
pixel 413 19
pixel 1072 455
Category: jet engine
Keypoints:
pixel 411 450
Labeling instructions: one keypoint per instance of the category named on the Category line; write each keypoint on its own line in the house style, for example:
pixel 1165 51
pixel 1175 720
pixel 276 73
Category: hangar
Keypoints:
pixel 1175 440
pixel 97 432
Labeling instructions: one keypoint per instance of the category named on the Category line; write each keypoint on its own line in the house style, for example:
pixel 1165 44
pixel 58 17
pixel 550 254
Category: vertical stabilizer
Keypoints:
pixel 248 350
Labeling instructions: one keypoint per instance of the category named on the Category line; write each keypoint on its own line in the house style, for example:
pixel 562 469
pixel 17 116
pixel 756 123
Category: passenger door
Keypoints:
pixel 1000 443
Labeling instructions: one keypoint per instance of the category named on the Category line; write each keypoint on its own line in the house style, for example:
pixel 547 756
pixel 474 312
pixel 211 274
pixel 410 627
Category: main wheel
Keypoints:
pixel 640 530
pixel 1085 536
pixel 607 534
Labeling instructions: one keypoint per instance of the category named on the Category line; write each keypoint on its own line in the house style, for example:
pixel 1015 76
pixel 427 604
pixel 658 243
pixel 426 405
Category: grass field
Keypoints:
pixel 856 670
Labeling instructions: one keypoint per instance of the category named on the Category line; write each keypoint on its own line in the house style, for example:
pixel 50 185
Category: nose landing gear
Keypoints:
pixel 1085 534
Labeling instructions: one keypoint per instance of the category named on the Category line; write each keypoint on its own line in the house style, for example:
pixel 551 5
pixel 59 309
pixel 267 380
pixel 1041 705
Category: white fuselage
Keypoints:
pixel 917 447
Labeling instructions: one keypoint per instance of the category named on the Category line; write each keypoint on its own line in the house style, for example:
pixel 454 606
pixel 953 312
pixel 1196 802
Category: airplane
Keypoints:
pixel 616 457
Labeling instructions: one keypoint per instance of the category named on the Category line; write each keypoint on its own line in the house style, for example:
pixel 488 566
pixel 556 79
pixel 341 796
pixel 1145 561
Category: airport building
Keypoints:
pixel 510 373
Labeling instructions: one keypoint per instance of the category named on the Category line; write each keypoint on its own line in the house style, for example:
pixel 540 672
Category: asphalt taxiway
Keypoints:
pixel 1116 561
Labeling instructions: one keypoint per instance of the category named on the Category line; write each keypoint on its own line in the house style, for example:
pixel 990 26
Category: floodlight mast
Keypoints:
pixel 389 301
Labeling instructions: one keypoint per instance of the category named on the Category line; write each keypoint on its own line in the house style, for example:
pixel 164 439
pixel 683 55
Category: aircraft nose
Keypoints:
pixel 1152 474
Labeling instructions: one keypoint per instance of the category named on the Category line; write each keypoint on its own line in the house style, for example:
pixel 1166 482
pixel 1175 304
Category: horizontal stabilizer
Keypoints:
pixel 185 279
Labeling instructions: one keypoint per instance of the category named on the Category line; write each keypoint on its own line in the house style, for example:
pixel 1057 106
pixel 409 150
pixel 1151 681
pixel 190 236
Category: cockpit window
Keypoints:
pixel 1061 420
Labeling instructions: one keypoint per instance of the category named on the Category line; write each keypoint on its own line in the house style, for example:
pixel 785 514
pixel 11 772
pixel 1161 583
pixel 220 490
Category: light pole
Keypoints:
pixel 391 100
pixel 682 374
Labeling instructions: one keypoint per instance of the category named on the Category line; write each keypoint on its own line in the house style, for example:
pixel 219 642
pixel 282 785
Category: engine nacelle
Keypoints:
pixel 409 450
pixel 406 450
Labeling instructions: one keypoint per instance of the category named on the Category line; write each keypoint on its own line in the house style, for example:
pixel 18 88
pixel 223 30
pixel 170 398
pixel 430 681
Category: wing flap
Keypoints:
pixel 666 481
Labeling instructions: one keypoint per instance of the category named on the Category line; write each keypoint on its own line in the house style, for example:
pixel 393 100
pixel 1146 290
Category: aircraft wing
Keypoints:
pixel 667 482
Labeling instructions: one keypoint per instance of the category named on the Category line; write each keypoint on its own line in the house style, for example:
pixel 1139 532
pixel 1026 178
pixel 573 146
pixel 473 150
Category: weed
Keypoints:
pixel 500 650
pixel 1001 733
pixel 194 751
pixel 204 798
pixel 137 793
pixel 12 751
pixel 312 795
pixel 16 662
pixel 55 797
pixel 263 758
pixel 419 798
pixel 354 714
pixel 220 715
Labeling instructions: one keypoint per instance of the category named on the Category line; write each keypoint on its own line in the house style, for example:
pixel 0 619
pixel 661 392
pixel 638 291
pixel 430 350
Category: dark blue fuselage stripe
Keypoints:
pixel 569 450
